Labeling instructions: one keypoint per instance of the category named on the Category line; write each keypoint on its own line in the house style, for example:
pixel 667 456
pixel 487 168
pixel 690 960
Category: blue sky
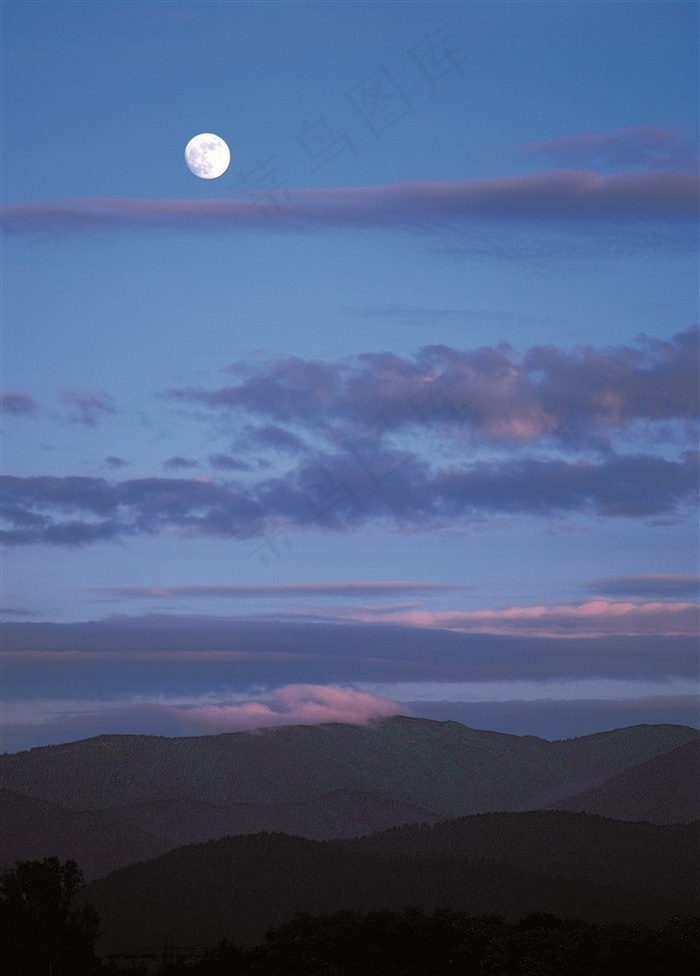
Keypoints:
pixel 400 413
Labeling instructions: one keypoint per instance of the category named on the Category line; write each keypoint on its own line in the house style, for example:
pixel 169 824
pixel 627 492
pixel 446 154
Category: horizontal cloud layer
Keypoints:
pixel 558 194
pixel 197 653
pixel 659 585
pixel 592 618
pixel 342 491
pixel 350 589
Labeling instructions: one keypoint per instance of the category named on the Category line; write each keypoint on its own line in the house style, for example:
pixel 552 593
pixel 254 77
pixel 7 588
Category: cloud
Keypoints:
pixel 417 206
pixel 225 462
pixel 194 654
pixel 16 612
pixel 30 723
pixel 637 147
pixel 350 589
pixel 115 462
pixel 420 315
pixel 178 463
pixel 87 407
pixel 17 404
pixel 590 618
pixel 659 585
pixel 492 395
pixel 341 492
pixel 292 705
pixel 277 438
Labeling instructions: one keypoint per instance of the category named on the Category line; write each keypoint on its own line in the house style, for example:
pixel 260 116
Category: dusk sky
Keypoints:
pixel 398 415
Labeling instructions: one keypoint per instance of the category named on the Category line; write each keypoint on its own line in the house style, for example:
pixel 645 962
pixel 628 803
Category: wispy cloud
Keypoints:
pixel 655 585
pixel 87 406
pixel 226 462
pixel 590 618
pixel 178 463
pixel 421 315
pixel 636 147
pixel 352 589
pixel 115 462
pixel 16 612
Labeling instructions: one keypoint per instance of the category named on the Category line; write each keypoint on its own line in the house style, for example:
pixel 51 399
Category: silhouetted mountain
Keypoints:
pixel 663 790
pixel 571 865
pixel 111 800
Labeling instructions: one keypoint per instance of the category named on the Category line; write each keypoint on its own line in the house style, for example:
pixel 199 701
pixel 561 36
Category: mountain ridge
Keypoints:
pixel 110 800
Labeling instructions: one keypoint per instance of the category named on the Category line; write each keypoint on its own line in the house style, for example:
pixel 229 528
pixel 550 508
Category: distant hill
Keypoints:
pixel 571 865
pixel 112 800
pixel 663 790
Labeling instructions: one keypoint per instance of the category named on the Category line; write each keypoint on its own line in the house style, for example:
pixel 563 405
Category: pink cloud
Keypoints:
pixel 591 618
pixel 291 705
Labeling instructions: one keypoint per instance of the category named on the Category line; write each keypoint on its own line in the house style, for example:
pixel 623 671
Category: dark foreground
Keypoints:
pixel 411 943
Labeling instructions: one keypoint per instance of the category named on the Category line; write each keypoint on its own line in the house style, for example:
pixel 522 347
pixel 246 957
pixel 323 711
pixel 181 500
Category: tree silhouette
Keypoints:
pixel 40 933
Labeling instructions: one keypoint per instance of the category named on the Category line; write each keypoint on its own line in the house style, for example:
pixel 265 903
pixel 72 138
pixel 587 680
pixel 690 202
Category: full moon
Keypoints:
pixel 207 156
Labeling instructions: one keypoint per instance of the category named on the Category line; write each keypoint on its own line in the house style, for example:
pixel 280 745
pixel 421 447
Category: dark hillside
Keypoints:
pixel 640 856
pixel 664 790
pixel 238 887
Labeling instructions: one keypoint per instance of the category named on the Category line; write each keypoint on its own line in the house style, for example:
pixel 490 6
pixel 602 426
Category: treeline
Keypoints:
pixel 414 943
pixel 43 931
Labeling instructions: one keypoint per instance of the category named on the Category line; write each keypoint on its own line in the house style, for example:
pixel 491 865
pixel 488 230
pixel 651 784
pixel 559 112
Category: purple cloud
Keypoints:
pixel 277 438
pixel 649 147
pixel 420 205
pixel 87 407
pixel 224 462
pixel 115 462
pixel 342 491
pixel 199 655
pixel 569 397
pixel 349 589
pixel 420 315
pixel 17 404
pixel 178 463
pixel 659 585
